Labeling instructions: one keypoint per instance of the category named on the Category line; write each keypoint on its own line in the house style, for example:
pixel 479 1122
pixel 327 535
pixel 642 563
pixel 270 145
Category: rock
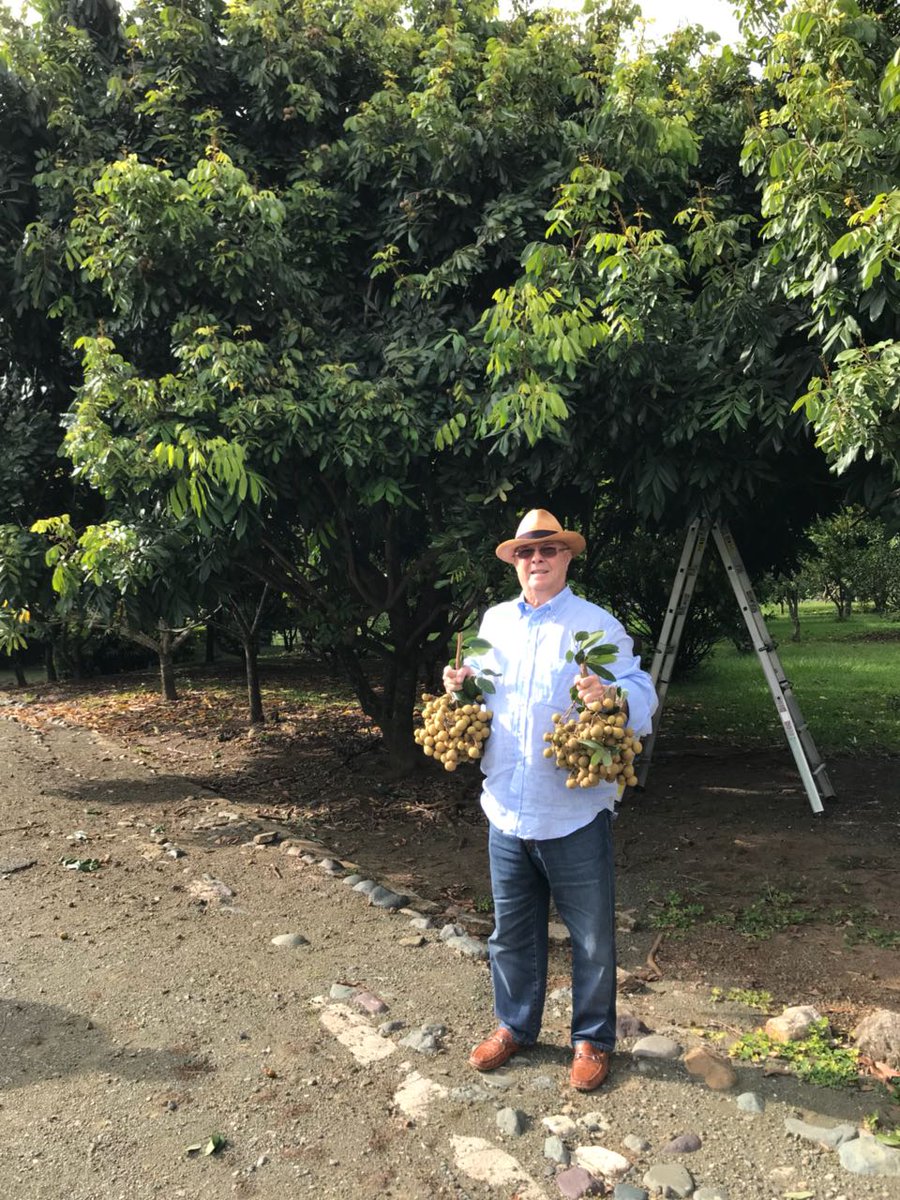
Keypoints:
pixel 477 1158
pixel 671 1179
pixel 627 982
pixel 468 946
pixel 368 1002
pixel 342 991
pixel 353 880
pixel 637 1145
pixel 207 890
pixel 684 1143
pixel 629 1026
pixel 576 1181
pixel 600 1161
pixel 389 1027
pixel 366 886
pixel 331 866
pixel 451 931
pixel 593 1122
pixel 794 1023
pixel 561 1125
pixel 710 1193
pixel 422 923
pixel 511 1122
pixel 416 1095
pixel 558 933
pixel 830 1136
pixel 626 920
pixel 878 1035
pixel 10 866
pixel 627 1191
pixel 421 1041
pixel 266 839
pixel 383 897
pixel 656 1046
pixel 867 1156
pixel 555 1149
pixel 290 940
pixel 714 1069
pixel 750 1102
pixel 416 941
pixel 470 1093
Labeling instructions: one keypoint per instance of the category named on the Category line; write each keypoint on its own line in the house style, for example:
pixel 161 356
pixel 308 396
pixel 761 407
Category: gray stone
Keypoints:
pixel 386 1028
pixel 383 897
pixel 353 880
pixel 637 1145
pixel 555 1149
pixel 10 866
pixel 470 1093
pixel 629 1026
pixel 451 931
pixel 511 1122
pixel 750 1102
pixel 421 1042
pixel 628 1191
pixel 468 946
pixel 656 1046
pixel 594 1122
pixel 331 866
pixel 671 1179
pixel 711 1193
pixel 867 1156
pixel 684 1143
pixel 342 991
pixel 436 1029
pixel 290 940
pixel 422 923
pixel 576 1182
pixel 366 886
pixel 497 1081
pixel 878 1035
pixel 415 940
pixel 831 1136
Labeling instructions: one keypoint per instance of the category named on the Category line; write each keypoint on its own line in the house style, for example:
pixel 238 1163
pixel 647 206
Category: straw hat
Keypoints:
pixel 539 526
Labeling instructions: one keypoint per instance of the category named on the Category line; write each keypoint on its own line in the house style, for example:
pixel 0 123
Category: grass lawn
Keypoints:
pixel 845 676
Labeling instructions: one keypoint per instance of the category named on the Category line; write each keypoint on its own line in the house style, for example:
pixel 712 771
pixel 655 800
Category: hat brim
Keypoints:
pixel 573 542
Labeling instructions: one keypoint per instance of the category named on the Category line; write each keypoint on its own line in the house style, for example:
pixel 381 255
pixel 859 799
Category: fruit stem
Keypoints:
pixel 458 649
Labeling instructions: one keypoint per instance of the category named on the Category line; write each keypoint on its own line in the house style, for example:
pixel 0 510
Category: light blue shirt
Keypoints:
pixel 524 793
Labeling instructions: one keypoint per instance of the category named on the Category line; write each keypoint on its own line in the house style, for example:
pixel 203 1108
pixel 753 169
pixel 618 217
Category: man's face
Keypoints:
pixel 542 573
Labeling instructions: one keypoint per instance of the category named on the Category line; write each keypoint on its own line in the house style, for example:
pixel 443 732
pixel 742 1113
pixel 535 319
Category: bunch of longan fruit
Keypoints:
pixel 453 732
pixel 594 743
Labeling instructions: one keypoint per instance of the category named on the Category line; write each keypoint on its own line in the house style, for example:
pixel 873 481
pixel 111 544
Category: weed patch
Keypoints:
pixel 820 1058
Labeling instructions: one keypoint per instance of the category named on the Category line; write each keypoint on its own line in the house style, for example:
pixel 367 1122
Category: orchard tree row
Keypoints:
pixel 308 299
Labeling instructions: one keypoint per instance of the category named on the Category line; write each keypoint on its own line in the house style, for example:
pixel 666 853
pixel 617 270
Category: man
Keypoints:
pixel 547 840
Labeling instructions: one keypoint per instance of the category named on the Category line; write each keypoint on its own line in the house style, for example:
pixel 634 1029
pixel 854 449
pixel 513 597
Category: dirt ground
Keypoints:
pixel 140 1017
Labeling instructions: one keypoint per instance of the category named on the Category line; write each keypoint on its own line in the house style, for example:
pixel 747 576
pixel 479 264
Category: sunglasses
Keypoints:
pixel 522 553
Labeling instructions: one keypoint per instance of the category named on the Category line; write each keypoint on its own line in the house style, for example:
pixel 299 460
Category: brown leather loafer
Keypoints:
pixel 589 1068
pixel 494 1051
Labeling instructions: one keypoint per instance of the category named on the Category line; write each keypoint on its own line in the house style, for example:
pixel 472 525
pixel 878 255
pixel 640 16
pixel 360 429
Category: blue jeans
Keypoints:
pixel 577 871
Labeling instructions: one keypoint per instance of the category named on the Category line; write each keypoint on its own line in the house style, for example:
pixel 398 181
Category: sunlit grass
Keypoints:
pixel 845 676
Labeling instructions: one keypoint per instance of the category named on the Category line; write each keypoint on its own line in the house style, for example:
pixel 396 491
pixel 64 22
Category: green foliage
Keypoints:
pixel 774 911
pixel 819 1058
pixel 676 913
pixel 751 997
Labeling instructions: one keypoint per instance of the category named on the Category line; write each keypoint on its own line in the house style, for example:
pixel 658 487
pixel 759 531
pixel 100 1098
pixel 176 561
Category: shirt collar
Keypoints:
pixel 548 608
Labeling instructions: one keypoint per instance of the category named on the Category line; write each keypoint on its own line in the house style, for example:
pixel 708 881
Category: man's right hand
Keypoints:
pixel 453 678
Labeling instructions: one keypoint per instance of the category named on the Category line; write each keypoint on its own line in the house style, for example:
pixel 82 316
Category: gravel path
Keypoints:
pixel 145 1009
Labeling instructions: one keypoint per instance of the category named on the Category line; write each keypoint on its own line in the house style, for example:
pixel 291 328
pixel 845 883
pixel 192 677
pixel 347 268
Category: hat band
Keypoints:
pixel 538 533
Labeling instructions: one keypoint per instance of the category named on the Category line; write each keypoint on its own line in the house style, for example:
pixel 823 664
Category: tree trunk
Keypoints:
pixel 50 663
pixel 793 606
pixel 254 696
pixel 18 669
pixel 167 665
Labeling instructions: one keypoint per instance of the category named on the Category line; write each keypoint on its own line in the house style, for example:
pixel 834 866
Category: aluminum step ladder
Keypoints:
pixel 809 762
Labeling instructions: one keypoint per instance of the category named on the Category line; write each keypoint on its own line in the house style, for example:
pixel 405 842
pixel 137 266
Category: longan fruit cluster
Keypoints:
pixel 452 732
pixel 594 744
